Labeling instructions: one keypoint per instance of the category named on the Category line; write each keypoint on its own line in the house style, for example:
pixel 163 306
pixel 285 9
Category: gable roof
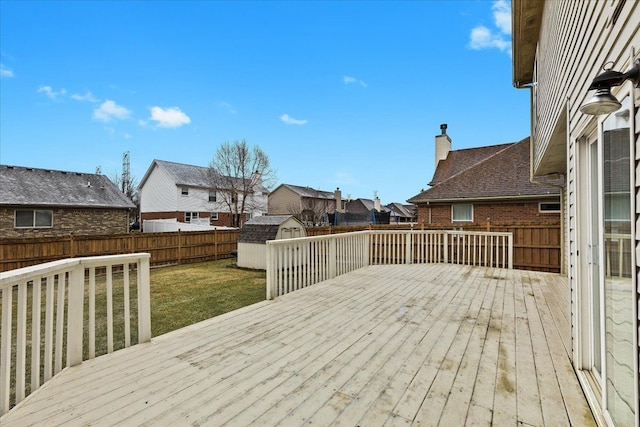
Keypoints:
pixel 23 186
pixel 502 174
pixel 400 210
pixel 259 229
pixel 185 175
pixel 309 192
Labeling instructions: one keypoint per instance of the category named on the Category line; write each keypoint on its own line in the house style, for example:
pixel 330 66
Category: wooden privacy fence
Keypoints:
pixel 536 247
pixel 164 248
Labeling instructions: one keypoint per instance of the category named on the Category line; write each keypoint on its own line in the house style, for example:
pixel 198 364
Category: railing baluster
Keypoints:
pixel 36 311
pixel 92 312
pixel 48 329
pixel 21 341
pixel 127 312
pixel 109 308
pixel 59 323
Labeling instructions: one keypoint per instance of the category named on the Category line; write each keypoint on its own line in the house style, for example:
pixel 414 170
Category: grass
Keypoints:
pixel 187 294
pixel 180 296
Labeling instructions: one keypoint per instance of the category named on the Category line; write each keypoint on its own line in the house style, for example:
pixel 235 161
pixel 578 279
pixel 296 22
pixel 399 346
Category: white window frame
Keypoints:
pixel 190 216
pixel 540 210
pixel 214 216
pixel 214 194
pixel 184 191
pixel 453 218
pixel 34 218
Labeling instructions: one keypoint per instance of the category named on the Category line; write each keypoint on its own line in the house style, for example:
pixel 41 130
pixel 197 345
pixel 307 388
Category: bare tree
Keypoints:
pixel 310 210
pixel 236 172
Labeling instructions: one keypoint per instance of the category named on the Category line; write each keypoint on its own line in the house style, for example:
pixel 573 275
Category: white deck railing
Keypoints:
pixel 297 263
pixel 44 294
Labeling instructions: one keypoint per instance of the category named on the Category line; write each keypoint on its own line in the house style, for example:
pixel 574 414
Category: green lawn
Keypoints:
pixel 187 294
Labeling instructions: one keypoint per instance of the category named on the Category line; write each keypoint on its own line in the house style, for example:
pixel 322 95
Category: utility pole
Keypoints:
pixel 126 172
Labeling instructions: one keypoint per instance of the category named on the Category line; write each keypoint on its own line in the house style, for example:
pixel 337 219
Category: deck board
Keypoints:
pixel 384 345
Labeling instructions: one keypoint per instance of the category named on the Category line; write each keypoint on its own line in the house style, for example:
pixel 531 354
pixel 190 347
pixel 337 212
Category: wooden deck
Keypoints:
pixel 384 345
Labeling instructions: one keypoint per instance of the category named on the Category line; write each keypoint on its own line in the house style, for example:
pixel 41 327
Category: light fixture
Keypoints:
pixel 602 102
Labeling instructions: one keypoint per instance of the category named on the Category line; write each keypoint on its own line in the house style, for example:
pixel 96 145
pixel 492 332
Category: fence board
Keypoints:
pixel 536 246
pixel 165 248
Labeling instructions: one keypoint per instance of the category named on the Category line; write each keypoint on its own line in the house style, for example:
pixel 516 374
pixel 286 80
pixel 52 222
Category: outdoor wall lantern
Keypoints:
pixel 602 102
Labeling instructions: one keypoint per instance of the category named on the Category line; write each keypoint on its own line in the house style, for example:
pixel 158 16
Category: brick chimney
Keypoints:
pixel 443 144
pixel 338 196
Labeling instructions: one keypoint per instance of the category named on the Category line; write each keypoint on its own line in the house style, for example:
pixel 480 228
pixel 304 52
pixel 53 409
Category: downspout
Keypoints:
pixel 533 180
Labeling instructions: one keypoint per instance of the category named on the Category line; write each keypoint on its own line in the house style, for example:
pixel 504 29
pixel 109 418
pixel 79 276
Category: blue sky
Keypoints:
pixel 338 94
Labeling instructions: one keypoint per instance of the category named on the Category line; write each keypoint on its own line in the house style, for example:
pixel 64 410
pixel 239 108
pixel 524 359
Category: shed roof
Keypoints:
pixel 24 186
pixel 262 228
pixel 502 174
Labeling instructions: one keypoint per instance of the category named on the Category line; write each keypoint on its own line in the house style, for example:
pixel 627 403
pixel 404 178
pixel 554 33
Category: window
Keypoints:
pixel 30 218
pixel 212 196
pixel 549 207
pixel 462 213
pixel 184 191
pixel 214 216
pixel 190 216
pixel 247 216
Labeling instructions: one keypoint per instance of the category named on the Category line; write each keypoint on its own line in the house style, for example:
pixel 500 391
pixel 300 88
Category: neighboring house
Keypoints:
pixel 44 203
pixel 401 213
pixel 252 247
pixel 187 193
pixel 309 205
pixel 485 184
pixel 558 50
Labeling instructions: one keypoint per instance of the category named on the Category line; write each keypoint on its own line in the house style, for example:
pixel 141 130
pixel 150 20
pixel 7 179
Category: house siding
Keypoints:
pixel 519 212
pixel 159 193
pixel 576 40
pixel 69 221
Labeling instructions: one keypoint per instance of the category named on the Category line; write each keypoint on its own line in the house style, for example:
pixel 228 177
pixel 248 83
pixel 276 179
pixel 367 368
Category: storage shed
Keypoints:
pixel 252 248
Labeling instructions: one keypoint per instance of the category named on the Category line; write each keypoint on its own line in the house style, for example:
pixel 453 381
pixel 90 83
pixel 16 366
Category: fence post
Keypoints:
pixel 75 316
pixel 144 299
pixel 179 247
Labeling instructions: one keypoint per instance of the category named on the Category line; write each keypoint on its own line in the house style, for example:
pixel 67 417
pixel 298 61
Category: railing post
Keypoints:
pixel 75 316
pixel 445 243
pixel 333 255
pixel 144 300
pixel 271 290
pixel 408 251
pixel 510 255
pixel 5 350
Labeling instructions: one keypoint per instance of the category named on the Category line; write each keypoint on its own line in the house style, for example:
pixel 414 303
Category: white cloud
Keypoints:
pixel 171 117
pixel 109 110
pixel 5 72
pixel 86 97
pixel 484 38
pixel 352 80
pixel 291 121
pixel 502 15
pixel 127 136
pixel 48 90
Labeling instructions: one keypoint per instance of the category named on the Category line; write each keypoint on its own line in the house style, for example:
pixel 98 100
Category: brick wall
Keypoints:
pixel 69 221
pixel 523 212
pixel 224 218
